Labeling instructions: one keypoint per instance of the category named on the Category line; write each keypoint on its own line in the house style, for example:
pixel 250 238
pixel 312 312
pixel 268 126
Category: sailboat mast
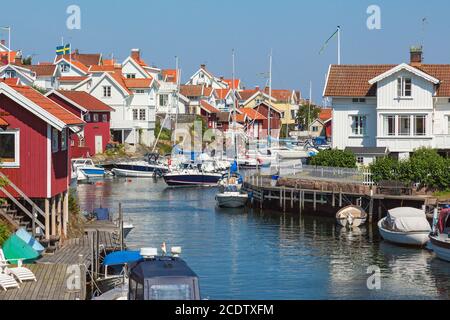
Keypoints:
pixel 234 107
pixel 270 101
pixel 175 98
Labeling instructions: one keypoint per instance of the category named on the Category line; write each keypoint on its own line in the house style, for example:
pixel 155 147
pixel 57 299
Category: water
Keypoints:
pixel 241 254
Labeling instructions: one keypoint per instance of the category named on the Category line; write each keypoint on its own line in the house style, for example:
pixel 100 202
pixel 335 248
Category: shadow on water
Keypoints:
pixel 253 254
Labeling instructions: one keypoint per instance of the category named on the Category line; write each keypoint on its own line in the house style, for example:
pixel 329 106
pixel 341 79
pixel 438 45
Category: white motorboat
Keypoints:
pixel 440 240
pixel 231 197
pixel 351 216
pixel 139 169
pixel 406 226
pixel 85 169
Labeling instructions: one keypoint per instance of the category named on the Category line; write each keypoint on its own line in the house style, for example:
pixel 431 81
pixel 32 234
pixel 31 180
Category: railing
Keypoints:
pixel 308 172
pixel 35 209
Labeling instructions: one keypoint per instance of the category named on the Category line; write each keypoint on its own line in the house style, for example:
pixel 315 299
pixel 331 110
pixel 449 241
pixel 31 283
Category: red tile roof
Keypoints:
pixel 4 57
pixel 138 83
pixel 48 105
pixel 42 70
pixel 72 79
pixel 3 122
pixel 252 114
pixel 102 68
pixel 195 91
pixel 169 75
pixel 85 100
pixel 87 59
pixel 11 81
pixel 120 80
pixel 222 93
pixel 208 108
pixel 240 117
pixel 326 114
pixel 283 96
pixel 229 82
pixel 247 94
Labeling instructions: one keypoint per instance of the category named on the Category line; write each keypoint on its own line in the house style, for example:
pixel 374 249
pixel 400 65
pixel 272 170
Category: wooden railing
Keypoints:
pixel 35 208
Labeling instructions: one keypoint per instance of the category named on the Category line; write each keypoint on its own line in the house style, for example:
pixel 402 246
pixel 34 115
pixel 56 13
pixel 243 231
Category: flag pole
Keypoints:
pixel 339 45
pixel 9 45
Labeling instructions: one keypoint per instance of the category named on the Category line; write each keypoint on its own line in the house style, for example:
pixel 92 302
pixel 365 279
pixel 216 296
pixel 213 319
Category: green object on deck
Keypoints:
pixel 15 248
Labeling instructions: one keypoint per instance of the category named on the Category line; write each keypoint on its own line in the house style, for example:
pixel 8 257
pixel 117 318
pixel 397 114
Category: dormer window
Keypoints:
pixel 65 68
pixel 10 74
pixel 404 87
pixel 359 100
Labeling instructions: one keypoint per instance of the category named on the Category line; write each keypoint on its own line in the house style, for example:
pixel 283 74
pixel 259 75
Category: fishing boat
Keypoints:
pixel 85 169
pixel 351 216
pixel 148 276
pixel 188 175
pixel 440 238
pixel 405 226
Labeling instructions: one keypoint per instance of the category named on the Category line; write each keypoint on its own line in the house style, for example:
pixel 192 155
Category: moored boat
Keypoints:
pixel 406 226
pixel 440 239
pixel 351 216
pixel 85 169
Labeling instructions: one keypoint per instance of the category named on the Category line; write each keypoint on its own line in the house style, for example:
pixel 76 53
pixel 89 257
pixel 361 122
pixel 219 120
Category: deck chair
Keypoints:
pixel 7 282
pixel 20 273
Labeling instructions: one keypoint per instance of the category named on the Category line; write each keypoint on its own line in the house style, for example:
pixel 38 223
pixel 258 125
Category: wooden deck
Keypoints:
pixel 51 285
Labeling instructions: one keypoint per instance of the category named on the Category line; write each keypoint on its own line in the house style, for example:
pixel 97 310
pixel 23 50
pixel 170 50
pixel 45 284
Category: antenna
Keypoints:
pixel 423 31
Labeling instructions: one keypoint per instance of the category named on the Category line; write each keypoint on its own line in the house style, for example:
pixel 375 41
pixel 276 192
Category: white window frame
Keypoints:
pixel 16 163
pixel 414 118
pixel 139 91
pixel 401 88
pixel 144 118
pixel 360 160
pixel 63 140
pixel 400 116
pixel 95 117
pixel 107 91
pixel 131 76
pixel 55 140
pixel 10 74
pixel 64 68
pixel 385 128
pixel 87 117
pixel 135 114
pixel 104 117
pixel 359 125
pixel 448 124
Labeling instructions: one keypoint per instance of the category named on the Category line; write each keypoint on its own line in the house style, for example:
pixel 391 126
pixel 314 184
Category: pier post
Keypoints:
pixel 300 201
pixel 371 208
pixel 281 197
pixel 314 201
pixel 65 212
pixel 47 219
pixel 292 199
pixel 380 211
pixel 121 227
pixel 340 198
pixel 303 199
pixel 284 199
pixel 59 213
pixel 333 200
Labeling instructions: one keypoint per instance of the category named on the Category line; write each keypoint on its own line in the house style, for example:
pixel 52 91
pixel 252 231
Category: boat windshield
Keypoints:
pixel 231 188
pixel 170 292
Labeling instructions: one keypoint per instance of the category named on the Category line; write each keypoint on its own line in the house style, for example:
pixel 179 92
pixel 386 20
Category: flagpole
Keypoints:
pixel 9 45
pixel 339 45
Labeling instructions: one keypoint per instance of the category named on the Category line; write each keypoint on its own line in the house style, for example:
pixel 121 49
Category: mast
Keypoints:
pixel 270 101
pixel 175 99
pixel 234 108
pixel 339 45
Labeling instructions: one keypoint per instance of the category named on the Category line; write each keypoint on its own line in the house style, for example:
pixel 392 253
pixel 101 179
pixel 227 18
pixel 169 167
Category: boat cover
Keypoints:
pixel 30 240
pixel 406 219
pixel 101 214
pixel 444 220
pixel 121 257
pixel 16 249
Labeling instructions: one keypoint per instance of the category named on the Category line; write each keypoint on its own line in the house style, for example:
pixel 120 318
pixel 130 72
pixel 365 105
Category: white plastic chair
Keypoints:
pixel 20 273
pixel 7 282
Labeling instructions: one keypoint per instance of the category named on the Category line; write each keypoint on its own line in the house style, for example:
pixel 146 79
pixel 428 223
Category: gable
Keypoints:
pixel 130 66
pixel 116 90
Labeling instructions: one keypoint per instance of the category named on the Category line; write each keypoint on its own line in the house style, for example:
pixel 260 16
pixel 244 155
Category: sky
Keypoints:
pixel 206 31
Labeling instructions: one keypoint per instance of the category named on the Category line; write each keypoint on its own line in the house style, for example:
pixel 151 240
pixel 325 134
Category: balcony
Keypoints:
pixel 442 141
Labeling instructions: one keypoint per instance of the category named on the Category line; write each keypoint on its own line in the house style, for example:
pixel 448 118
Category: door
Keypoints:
pixel 98 144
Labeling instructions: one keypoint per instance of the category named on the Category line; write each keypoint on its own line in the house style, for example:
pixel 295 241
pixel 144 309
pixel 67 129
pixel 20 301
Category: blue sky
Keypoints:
pixel 205 31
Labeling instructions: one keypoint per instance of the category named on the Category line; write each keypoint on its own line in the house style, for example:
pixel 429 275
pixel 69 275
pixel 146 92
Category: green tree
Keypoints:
pixel 5 232
pixel 27 61
pixel 334 158
pixel 384 169
pixel 306 115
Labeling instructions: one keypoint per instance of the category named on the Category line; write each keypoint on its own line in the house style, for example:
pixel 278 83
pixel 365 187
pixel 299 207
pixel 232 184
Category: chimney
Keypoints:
pixel 18 58
pixel 203 66
pixel 416 56
pixel 3 42
pixel 136 54
pixel 257 88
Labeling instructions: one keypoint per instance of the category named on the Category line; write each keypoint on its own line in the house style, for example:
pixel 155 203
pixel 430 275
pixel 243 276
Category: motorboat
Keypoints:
pixel 231 197
pixel 405 226
pixel 189 175
pixel 148 276
pixel 149 167
pixel 440 238
pixel 351 216
pixel 85 169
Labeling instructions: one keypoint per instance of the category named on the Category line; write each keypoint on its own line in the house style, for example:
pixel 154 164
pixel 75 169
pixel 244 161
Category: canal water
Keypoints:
pixel 245 254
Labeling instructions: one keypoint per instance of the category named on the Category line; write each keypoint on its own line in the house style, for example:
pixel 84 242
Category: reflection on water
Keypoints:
pixel 245 254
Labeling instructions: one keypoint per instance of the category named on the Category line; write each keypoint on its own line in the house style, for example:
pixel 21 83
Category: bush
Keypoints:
pixel 4 232
pixel 334 158
pixel 384 169
pixel 166 134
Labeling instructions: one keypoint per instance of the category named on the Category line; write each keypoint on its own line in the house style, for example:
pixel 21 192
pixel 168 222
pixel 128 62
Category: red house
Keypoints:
pixel 255 123
pixel 209 113
pixel 275 119
pixel 97 131
pixel 35 155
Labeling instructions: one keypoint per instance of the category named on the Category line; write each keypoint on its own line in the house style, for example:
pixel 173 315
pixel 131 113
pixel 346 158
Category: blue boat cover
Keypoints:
pixel 121 257
pixel 234 167
pixel 101 214
pixel 30 240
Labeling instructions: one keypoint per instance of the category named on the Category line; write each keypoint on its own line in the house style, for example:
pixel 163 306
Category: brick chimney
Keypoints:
pixel 203 66
pixel 3 42
pixel 136 54
pixel 416 56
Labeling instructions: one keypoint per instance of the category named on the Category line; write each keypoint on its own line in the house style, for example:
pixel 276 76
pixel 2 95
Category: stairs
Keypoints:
pixel 15 217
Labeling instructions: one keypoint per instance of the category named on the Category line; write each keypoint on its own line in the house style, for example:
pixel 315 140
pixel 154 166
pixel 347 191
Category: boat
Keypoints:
pixel 15 249
pixel 149 167
pixel 189 175
pixel 148 276
pixel 231 195
pixel 85 169
pixel 440 238
pixel 104 214
pixel 405 226
pixel 351 216
pixel 30 240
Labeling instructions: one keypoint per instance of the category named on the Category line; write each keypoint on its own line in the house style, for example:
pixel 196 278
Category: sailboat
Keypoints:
pixel 231 195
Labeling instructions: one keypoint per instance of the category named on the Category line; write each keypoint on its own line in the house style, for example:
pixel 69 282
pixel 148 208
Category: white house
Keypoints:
pixel 205 78
pixel 399 107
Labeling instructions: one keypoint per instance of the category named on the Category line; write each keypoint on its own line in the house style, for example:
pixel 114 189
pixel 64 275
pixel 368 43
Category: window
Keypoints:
pixel 448 121
pixel 360 160
pixel 359 100
pixel 65 68
pixel 131 76
pixel 139 91
pixel 104 118
pixel 64 140
pixel 9 151
pixel 142 115
pixel 293 113
pixel 315 129
pixel 163 100
pixel 389 125
pixel 87 117
pixel 95 117
pixel 404 87
pixel 404 125
pixel 107 91
pixel 170 292
pixel 359 125
pixel 135 114
pixel 55 140
pixel 419 125
pixel 282 115
pixel 10 74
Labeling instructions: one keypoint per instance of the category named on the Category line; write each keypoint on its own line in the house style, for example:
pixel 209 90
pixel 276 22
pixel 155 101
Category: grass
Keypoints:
pixel 442 195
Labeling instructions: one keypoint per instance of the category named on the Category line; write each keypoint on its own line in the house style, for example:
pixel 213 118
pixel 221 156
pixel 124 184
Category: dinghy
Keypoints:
pixel 406 226
pixel 351 216
pixel 440 239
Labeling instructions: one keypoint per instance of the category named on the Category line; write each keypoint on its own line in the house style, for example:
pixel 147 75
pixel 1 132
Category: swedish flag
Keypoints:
pixel 62 50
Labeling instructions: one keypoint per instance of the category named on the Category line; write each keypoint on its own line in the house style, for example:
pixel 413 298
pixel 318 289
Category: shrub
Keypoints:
pixel 4 232
pixel 384 169
pixel 334 158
